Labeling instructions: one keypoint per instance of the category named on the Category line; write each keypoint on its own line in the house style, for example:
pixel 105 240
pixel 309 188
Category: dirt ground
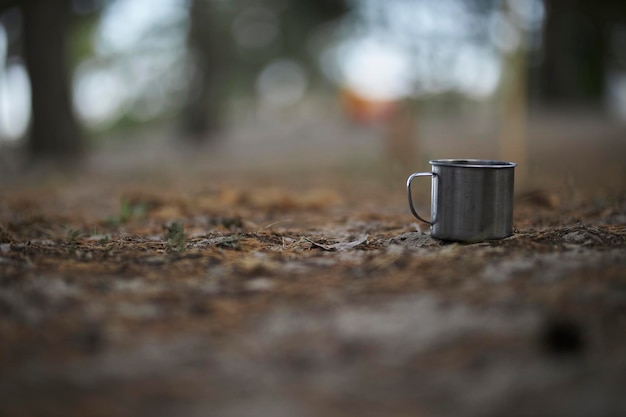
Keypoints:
pixel 274 278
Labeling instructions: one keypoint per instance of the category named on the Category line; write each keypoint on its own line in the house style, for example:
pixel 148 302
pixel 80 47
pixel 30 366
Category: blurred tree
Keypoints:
pixel 300 19
pixel 513 144
pixel 220 65
pixel 53 131
pixel 210 55
pixel 576 40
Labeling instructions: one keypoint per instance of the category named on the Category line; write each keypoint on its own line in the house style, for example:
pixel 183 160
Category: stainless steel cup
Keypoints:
pixel 472 199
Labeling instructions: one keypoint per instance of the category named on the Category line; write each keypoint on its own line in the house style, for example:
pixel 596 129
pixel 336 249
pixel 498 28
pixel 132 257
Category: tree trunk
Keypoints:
pixel 513 144
pixel 201 115
pixel 54 131
pixel 576 36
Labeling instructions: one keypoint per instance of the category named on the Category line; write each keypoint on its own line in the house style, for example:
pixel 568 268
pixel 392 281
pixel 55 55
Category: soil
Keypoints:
pixel 254 280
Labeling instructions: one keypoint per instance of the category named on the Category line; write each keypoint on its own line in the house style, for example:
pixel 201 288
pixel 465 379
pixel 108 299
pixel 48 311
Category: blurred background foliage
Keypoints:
pixel 71 70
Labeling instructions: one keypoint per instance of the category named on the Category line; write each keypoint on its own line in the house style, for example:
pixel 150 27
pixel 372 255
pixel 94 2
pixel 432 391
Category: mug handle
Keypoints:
pixel 408 189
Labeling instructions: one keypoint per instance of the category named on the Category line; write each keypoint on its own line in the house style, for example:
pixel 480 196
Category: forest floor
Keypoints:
pixel 274 279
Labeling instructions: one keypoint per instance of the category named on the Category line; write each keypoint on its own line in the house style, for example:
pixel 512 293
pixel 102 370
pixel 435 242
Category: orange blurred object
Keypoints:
pixel 366 110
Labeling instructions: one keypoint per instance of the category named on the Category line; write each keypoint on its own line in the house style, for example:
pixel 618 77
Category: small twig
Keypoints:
pixel 273 224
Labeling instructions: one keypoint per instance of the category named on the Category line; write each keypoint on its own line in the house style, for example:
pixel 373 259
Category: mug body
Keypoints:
pixel 472 200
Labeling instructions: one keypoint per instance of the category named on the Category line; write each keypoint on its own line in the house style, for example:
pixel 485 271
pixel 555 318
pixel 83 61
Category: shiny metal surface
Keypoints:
pixel 472 200
pixel 408 189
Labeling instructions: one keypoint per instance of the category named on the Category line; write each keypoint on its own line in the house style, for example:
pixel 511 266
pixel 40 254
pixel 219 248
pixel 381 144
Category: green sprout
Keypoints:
pixel 72 238
pixel 176 239
pixel 128 211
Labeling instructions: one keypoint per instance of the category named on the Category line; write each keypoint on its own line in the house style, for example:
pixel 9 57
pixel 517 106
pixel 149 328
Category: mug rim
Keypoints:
pixel 472 163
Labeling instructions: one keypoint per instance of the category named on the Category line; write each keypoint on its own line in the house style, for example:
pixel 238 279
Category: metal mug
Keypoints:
pixel 472 199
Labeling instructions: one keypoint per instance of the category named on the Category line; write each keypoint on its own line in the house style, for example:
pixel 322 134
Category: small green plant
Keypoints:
pixel 125 211
pixel 72 239
pixel 176 239
pixel 128 211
